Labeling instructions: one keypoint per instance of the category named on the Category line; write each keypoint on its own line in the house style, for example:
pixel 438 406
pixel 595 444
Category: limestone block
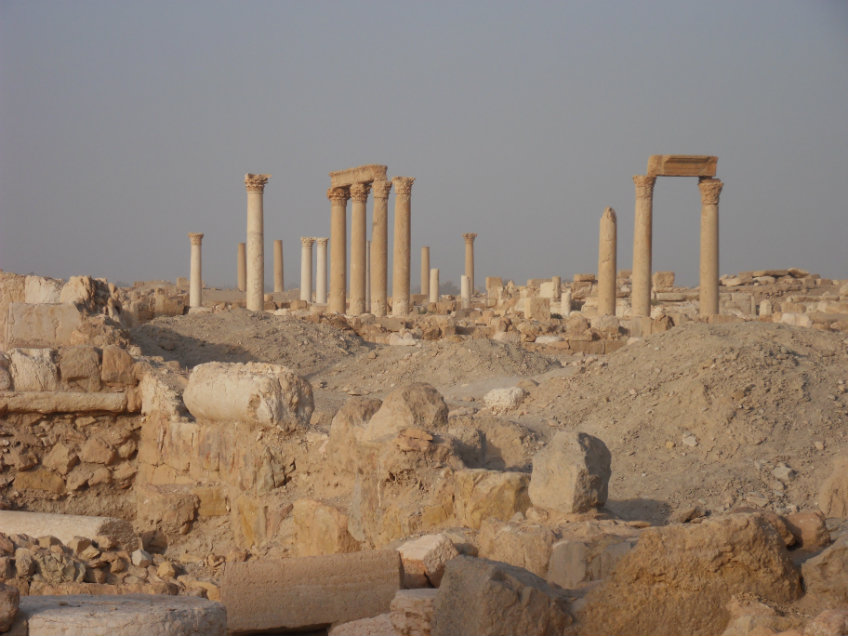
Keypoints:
pixel 679 578
pixel 537 308
pixel 796 319
pixel 345 430
pixel 424 559
pixel 309 592
pixel 478 596
pixel 412 611
pixel 826 574
pixel 506 399
pixel 414 406
pixel 662 280
pixel 526 546
pixel 41 325
pixel 320 529
pixel 117 367
pixel 808 529
pixel 66 527
pixel 126 615
pixel 79 290
pixel 681 166
pixel 40 289
pixel 33 370
pixel 170 509
pixel 832 499
pixel 380 625
pixel 255 393
pixel 10 600
pixel 571 474
pixel 96 451
pixel 79 367
pixel 480 494
pixel 360 174
pixel 60 459
pixel 546 290
pixel 575 562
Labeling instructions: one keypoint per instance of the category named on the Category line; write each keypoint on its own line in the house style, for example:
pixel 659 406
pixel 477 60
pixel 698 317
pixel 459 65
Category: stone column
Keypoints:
pixel 195 290
pixel 255 184
pixel 425 270
pixel 469 258
pixel 241 268
pixel 607 263
pixel 710 190
pixel 380 247
pixel 279 283
pixel 321 271
pixel 358 195
pixel 338 249
pixel 402 243
pixel 434 285
pixel 368 277
pixel 640 296
pixel 556 283
pixel 465 292
pixel 306 268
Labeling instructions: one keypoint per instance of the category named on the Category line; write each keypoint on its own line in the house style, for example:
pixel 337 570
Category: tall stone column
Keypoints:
pixel 338 249
pixel 195 290
pixel 710 190
pixel 380 247
pixel 425 270
pixel 306 268
pixel 402 244
pixel 368 277
pixel 640 295
pixel 434 285
pixel 469 259
pixel 465 292
pixel 279 282
pixel 241 267
pixel 255 185
pixel 607 263
pixel 321 271
pixel 358 195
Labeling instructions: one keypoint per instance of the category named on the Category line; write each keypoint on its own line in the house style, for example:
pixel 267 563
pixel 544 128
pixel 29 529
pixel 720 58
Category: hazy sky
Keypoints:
pixel 126 124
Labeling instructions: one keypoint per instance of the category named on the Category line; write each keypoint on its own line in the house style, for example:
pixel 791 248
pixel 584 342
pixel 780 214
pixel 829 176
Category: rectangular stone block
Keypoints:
pixel 66 527
pixel 42 325
pixel 360 174
pixel 309 592
pixel 682 166
pixel 537 308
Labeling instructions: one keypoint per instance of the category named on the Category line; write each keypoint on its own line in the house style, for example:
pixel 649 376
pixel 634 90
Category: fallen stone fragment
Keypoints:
pixel 424 559
pixel 412 611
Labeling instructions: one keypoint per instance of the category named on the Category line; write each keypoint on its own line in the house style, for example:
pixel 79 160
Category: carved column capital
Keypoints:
pixel 338 194
pixel 195 238
pixel 255 182
pixel 644 186
pixel 469 237
pixel 710 189
pixel 359 192
pixel 382 189
pixel 321 241
pixel 403 187
pixel 307 241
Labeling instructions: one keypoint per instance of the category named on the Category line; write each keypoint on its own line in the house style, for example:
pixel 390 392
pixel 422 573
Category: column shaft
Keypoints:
pixel 402 244
pixel 464 291
pixel 368 277
pixel 434 285
pixel 195 293
pixel 710 190
pixel 279 283
pixel 306 268
pixel 338 249
pixel 469 258
pixel 321 271
pixel 642 230
pixel 241 267
pixel 425 270
pixel 255 297
pixel 607 263
pixel 358 195
pixel 380 248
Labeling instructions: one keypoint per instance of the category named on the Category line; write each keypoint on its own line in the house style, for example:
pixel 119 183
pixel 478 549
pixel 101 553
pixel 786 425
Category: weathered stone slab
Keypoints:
pixel 63 402
pixel 681 166
pixel 309 592
pixel 360 174
pixel 43 325
pixel 66 527
pixel 127 615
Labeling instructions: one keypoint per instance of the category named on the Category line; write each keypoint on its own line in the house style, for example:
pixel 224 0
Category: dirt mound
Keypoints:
pixel 238 335
pixel 724 415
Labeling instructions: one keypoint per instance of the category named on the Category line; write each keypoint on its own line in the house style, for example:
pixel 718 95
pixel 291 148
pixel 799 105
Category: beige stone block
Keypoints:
pixel 117 367
pixel 48 325
pixel 40 479
pixel 79 367
pixel 681 166
pixel 417 405
pixel 309 592
pixel 66 527
pixel 40 289
pixel 360 174
pixel 480 494
pixel 526 546
pixel 537 308
pixel 320 529
pixel 212 501
pixel 412 611
pixel 424 559
pixel 33 370
pixel 663 280
pixel 380 625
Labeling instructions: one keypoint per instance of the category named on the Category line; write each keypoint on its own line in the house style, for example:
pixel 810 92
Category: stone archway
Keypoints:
pixel 703 167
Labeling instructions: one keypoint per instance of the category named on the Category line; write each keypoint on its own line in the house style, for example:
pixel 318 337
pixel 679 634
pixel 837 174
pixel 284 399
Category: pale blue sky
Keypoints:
pixel 125 125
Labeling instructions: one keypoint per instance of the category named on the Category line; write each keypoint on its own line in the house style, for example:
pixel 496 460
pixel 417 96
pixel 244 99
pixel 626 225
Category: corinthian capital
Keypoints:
pixel 469 237
pixel 255 182
pixel 359 192
pixel 338 194
pixel 403 187
pixel 195 238
pixel 710 189
pixel 644 186
pixel 382 189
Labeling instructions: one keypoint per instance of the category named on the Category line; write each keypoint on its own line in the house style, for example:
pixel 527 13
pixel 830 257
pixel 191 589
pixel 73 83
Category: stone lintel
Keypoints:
pixel 359 174
pixel 681 166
